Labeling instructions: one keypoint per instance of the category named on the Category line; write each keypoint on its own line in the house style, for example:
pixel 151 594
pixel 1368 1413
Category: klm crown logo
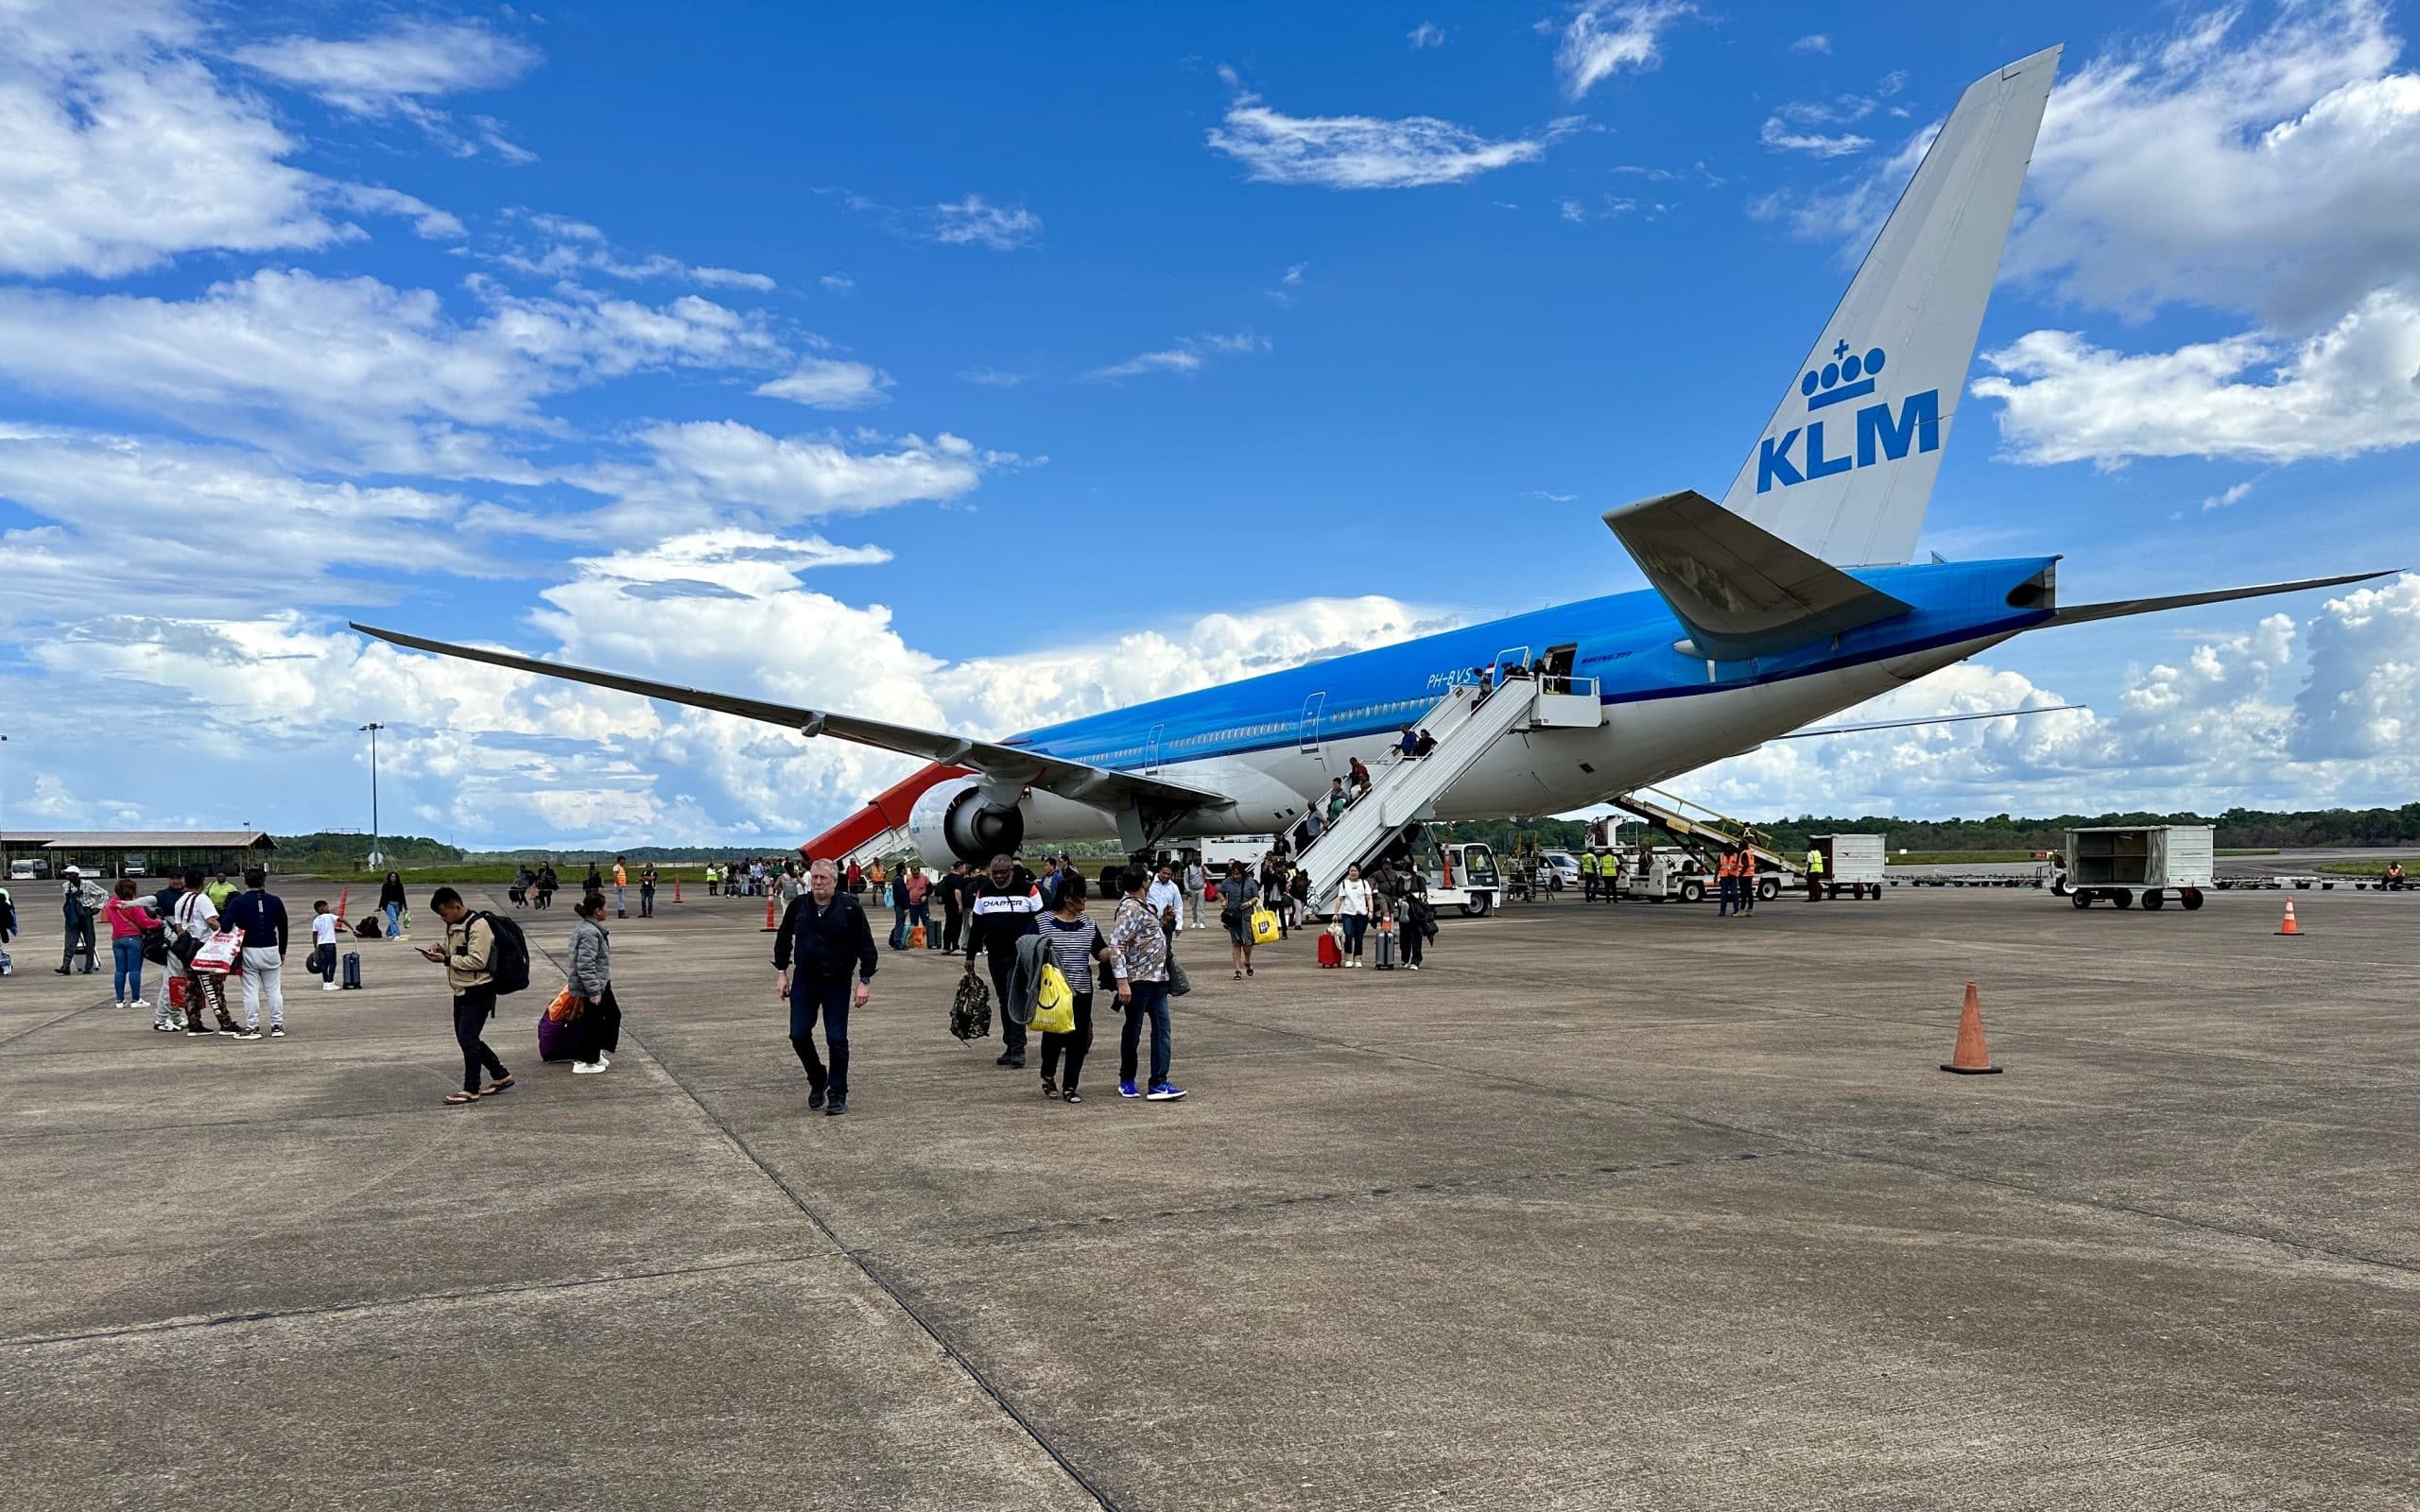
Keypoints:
pixel 1881 436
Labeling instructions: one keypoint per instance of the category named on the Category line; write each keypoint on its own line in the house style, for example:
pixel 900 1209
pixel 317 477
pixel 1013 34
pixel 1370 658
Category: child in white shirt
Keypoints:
pixel 323 944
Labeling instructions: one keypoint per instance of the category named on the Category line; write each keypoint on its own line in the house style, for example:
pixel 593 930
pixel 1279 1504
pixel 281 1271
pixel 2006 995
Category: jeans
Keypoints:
pixel 395 912
pixel 647 899
pixel 1150 998
pixel 471 1009
pixel 264 974
pixel 1727 896
pixel 324 960
pixel 598 1028
pixel 920 916
pixel 1073 1044
pixel 1011 1032
pixel 1354 924
pixel 126 958
pixel 79 942
pixel 898 926
pixel 831 1001
pixel 621 907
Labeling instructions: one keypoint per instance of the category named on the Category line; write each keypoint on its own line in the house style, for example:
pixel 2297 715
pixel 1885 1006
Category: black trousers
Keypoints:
pixel 1011 1032
pixel 472 1010
pixel 828 1001
pixel 1072 1045
pixel 953 928
pixel 599 1028
pixel 647 899
pixel 1411 943
pixel 79 942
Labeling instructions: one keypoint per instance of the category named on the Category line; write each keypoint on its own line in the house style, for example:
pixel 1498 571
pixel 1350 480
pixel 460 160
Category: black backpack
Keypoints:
pixel 509 961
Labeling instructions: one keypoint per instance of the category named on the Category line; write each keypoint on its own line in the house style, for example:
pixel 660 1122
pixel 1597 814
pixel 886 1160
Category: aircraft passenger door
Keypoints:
pixel 1310 741
pixel 1152 748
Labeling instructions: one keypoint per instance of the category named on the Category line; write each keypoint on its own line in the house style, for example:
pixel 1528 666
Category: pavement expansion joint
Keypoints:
pixel 381 1304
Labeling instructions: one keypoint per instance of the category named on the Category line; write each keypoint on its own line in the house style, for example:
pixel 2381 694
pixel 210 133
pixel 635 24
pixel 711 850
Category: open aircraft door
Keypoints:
pixel 1313 707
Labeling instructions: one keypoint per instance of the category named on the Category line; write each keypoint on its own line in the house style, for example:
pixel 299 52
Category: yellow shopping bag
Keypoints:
pixel 1264 927
pixel 1054 1004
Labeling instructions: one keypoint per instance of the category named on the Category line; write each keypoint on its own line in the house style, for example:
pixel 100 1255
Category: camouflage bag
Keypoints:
pixel 970 1012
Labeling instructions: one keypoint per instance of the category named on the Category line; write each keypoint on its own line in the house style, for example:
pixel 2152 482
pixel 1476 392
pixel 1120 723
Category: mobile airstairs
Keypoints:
pixel 1467 723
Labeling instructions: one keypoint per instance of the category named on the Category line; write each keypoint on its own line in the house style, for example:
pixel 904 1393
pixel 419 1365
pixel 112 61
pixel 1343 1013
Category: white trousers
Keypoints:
pixel 264 973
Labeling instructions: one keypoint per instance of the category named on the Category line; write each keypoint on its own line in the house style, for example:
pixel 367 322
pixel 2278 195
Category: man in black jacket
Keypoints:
pixel 823 939
pixel 1006 907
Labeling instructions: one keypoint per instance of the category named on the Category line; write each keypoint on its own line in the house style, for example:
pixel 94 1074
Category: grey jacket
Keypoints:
pixel 592 958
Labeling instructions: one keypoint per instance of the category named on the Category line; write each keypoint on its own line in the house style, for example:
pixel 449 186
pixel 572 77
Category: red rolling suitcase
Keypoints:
pixel 1330 953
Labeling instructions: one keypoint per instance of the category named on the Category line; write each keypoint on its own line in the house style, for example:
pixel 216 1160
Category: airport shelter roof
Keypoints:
pixel 137 839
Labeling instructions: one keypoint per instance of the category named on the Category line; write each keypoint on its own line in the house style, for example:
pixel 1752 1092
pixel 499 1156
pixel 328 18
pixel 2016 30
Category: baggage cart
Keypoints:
pixel 2119 862
pixel 1853 862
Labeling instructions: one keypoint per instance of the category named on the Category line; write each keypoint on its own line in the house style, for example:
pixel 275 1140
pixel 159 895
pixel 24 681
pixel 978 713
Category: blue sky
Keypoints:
pixel 978 368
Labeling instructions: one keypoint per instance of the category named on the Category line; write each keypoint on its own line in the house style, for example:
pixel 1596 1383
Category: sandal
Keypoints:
pixel 497 1086
pixel 460 1099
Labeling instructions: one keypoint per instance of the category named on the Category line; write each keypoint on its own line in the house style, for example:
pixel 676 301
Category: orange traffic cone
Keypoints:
pixel 343 897
pixel 1969 1057
pixel 676 889
pixel 769 925
pixel 2290 927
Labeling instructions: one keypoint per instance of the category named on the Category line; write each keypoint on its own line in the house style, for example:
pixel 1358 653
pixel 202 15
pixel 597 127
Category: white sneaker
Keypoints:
pixel 604 1059
pixel 581 1068
pixel 138 1003
pixel 119 1003
pixel 327 986
pixel 1414 967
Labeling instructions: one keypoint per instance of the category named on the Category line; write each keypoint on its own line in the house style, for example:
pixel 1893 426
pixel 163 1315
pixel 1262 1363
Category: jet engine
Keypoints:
pixel 956 822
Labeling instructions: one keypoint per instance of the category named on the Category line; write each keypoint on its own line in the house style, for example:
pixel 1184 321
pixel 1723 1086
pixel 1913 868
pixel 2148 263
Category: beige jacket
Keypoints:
pixel 469 949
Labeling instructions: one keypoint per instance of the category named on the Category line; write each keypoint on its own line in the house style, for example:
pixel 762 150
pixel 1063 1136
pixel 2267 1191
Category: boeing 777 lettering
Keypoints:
pixel 1789 599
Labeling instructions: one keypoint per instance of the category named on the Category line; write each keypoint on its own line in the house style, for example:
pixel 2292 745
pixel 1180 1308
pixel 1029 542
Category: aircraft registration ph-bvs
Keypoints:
pixel 1787 600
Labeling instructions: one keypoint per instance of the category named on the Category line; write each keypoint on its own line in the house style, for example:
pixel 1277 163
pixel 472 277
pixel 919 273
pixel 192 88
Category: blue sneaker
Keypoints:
pixel 1164 1092
pixel 1125 1088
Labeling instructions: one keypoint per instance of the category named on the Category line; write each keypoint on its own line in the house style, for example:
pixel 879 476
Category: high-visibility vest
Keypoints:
pixel 1588 864
pixel 1814 862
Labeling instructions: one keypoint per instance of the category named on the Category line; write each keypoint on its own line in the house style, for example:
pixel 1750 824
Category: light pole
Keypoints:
pixel 375 858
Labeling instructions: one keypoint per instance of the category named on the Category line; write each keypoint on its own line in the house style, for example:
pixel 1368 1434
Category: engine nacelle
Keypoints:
pixel 953 821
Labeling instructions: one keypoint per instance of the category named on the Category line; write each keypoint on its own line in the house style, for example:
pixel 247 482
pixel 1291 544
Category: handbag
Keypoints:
pixel 1179 983
pixel 566 1006
pixel 155 944
pixel 1054 1004
pixel 1264 927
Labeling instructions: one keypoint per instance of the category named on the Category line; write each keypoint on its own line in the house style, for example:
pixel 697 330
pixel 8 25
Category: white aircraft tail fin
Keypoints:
pixel 1846 466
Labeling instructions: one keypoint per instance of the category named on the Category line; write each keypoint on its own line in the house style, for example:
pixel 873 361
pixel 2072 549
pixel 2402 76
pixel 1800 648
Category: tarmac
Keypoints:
pixel 1621 1205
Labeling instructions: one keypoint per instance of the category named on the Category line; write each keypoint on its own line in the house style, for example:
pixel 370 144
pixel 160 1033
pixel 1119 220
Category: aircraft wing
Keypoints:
pixel 2082 613
pixel 1930 719
pixel 1101 786
pixel 1740 590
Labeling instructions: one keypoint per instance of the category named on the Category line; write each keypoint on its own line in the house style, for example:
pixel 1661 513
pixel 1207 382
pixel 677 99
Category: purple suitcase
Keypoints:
pixel 557 1042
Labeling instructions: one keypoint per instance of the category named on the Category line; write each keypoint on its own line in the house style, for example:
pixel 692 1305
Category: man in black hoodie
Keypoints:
pixel 1006 907
pixel 823 938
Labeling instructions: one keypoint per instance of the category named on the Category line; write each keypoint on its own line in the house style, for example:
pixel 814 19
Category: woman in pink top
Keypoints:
pixel 127 921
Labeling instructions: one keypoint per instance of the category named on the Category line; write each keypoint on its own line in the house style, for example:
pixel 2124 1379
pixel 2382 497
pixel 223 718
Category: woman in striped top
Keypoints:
pixel 1076 944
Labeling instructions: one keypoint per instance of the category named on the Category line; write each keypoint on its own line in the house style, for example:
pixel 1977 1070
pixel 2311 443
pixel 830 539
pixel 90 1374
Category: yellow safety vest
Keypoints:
pixel 1815 863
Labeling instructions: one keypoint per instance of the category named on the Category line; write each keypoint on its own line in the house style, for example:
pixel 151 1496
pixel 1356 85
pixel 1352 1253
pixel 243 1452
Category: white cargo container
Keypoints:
pixel 2117 861
pixel 1852 861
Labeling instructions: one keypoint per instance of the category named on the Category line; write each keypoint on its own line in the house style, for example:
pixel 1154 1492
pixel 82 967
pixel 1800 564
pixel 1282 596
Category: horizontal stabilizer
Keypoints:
pixel 2080 614
pixel 1102 787
pixel 1737 588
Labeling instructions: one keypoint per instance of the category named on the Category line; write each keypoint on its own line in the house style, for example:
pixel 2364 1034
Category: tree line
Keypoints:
pixel 2238 829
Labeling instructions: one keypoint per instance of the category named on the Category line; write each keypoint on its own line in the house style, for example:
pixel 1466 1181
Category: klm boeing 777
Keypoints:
pixel 1787 600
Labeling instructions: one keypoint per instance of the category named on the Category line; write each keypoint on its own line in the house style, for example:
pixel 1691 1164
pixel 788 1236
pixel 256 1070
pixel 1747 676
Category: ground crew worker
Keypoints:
pixel 1726 882
pixel 1588 876
pixel 1814 874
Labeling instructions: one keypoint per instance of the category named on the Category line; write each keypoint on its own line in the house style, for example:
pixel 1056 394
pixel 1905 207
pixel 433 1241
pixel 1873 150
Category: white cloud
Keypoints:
pixel 838 284
pixel 2232 494
pixel 976 222
pixel 1185 357
pixel 1364 152
pixel 1816 42
pixel 828 384
pixel 2272 174
pixel 707 472
pixel 398 69
pixel 1782 139
pixel 123 150
pixel 991 377
pixel 2227 723
pixel 1600 40
pixel 1427 34
pixel 2349 390
pixel 567 247
pixel 353 370
pixel 430 222
pixel 126 523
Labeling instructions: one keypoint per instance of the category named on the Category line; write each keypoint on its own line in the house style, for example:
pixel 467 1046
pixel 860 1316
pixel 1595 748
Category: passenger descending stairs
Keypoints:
pixel 1405 792
pixel 1703 829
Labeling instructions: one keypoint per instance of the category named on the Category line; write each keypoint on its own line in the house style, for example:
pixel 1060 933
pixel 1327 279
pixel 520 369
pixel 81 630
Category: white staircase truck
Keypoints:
pixel 1404 791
